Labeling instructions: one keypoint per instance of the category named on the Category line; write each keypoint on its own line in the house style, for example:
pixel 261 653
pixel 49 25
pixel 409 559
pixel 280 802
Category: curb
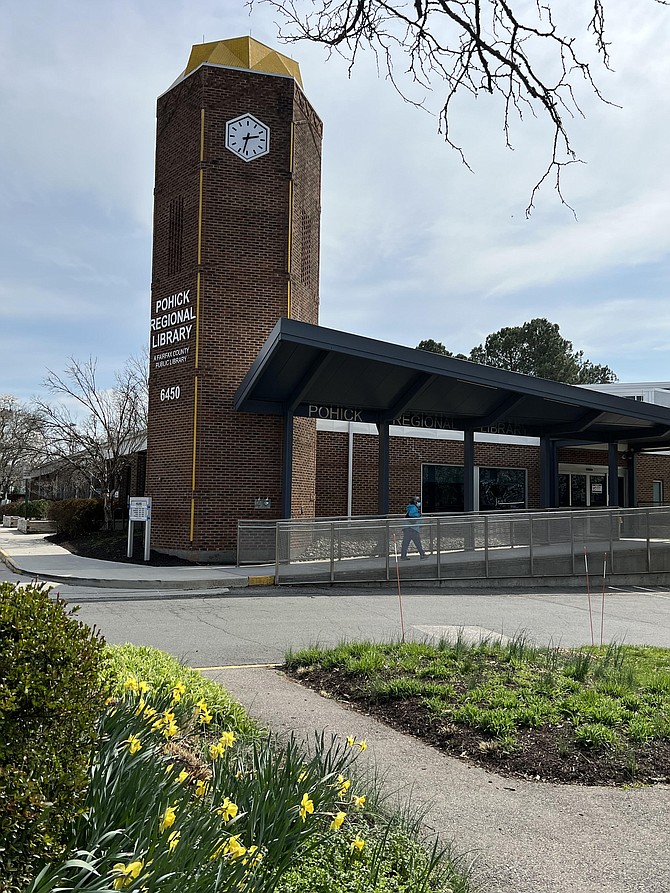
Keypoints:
pixel 267 580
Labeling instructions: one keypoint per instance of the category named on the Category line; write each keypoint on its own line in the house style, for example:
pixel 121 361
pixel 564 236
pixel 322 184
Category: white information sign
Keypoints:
pixel 139 509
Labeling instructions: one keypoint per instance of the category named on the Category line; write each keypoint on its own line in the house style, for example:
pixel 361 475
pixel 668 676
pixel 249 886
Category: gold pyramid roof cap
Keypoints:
pixel 242 52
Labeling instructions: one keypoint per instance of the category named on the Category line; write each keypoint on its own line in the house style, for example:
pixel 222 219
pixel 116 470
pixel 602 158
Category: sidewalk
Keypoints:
pixel 523 836
pixel 30 554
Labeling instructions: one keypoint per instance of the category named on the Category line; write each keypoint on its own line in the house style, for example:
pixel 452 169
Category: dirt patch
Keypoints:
pixel 548 754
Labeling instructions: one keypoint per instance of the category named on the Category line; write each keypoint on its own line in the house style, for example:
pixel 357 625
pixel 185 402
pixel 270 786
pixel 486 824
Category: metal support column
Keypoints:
pixel 383 472
pixel 631 472
pixel 612 474
pixel 469 471
pixel 287 466
pixel 547 472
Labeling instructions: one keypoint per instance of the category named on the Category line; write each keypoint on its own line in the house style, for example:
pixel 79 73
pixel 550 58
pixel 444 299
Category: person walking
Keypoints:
pixel 411 533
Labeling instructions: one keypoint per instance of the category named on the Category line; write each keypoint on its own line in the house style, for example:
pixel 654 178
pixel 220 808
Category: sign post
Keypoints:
pixel 139 509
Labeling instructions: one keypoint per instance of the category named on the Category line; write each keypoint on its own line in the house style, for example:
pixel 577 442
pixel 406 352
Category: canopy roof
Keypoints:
pixel 312 371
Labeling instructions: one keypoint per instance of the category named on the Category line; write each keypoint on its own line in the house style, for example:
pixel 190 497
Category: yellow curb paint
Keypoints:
pixel 262 581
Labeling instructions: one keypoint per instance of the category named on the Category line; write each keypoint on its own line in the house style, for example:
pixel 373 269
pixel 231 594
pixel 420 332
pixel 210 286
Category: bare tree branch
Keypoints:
pixel 96 430
pixel 498 47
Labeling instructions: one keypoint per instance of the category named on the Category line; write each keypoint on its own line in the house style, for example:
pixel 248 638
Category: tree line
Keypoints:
pixel 534 348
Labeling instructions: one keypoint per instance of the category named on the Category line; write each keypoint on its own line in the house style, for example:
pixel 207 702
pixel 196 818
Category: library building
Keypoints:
pixel 258 412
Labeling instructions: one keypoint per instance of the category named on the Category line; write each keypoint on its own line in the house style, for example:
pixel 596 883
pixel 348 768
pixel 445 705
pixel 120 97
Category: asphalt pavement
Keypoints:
pixel 523 836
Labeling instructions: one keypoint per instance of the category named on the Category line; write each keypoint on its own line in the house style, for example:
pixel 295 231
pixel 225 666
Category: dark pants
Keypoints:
pixel 411 535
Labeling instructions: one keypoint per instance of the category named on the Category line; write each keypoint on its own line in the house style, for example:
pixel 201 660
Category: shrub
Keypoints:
pixel 50 701
pixel 77 516
pixel 34 508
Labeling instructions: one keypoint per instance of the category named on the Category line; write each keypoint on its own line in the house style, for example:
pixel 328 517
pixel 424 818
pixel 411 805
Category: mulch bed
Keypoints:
pixel 113 546
pixel 549 754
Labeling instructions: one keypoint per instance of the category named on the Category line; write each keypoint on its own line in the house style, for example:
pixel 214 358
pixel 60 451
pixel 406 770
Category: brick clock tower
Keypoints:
pixel 236 247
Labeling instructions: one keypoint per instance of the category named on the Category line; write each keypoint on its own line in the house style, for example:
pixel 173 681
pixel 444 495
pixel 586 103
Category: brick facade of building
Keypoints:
pixel 236 247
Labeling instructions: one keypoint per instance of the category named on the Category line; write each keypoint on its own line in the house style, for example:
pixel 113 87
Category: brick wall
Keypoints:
pixel 246 284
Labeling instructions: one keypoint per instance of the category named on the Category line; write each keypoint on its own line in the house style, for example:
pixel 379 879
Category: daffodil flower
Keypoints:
pixel 357 844
pixel 131 684
pixel 183 775
pixel 234 848
pixel 134 743
pixel 178 691
pixel 201 788
pixel 227 739
pixel 173 840
pixel 171 729
pixel 126 873
pixel 351 741
pixel 168 819
pixel 215 751
pixel 363 744
pixel 205 716
pixel 359 802
pixel 306 806
pixel 336 824
pixel 228 810
pixel 343 785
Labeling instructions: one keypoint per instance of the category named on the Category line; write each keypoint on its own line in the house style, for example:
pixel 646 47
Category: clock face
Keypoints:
pixel 247 137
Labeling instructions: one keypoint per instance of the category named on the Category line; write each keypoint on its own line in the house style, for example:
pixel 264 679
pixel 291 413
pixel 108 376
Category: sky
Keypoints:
pixel 414 245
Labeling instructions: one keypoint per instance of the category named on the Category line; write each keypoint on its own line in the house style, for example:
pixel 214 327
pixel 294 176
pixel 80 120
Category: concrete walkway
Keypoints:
pixel 32 555
pixel 524 837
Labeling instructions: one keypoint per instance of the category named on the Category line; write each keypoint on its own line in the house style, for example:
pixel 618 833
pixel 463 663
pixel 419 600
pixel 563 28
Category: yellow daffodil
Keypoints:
pixel 302 776
pixel 168 769
pixel 149 712
pixel 215 751
pixel 143 687
pixel 359 802
pixel 168 716
pixel 126 873
pixel 131 684
pixel 171 729
pixel 306 806
pixel 178 691
pixel 110 700
pixel 168 819
pixel 183 775
pixel 205 716
pixel 357 844
pixel 343 785
pixel 336 824
pixel 255 856
pixel 363 744
pixel 227 739
pixel 228 810
pixel 201 788
pixel 141 704
pixel 351 741
pixel 201 705
pixel 134 743
pixel 231 846
pixel 173 840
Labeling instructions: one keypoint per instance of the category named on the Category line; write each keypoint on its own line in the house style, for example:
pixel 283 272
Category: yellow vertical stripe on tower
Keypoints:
pixel 290 222
pixel 198 290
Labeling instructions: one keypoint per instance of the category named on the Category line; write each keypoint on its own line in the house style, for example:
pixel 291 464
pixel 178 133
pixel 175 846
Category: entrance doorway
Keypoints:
pixel 586 489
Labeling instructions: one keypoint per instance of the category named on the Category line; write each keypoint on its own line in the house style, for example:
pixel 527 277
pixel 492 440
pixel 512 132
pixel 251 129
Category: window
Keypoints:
pixel 442 488
pixel 502 488
pixel 657 492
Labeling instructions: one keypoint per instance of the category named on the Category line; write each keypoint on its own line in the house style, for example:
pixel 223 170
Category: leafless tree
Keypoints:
pixel 510 48
pixel 21 441
pixel 95 430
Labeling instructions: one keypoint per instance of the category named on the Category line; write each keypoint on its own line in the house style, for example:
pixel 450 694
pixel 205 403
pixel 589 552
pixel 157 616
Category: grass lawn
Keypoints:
pixel 594 715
